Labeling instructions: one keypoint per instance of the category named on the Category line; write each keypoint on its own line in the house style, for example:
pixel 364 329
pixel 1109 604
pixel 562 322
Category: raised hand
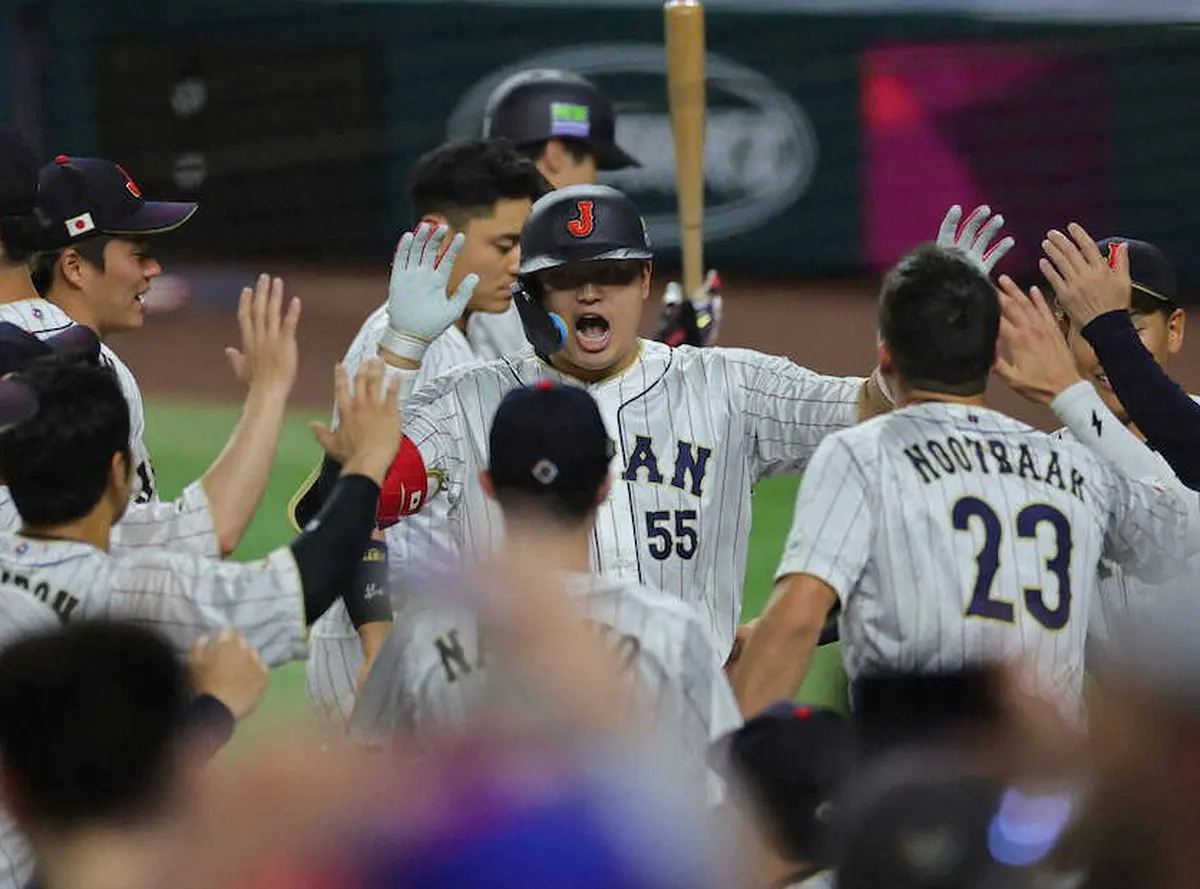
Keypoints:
pixel 368 431
pixel 1039 364
pixel 418 307
pixel 1086 282
pixel 974 236
pixel 268 355
pixel 226 667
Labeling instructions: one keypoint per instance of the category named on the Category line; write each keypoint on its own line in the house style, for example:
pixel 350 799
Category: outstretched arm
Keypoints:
pixel 235 482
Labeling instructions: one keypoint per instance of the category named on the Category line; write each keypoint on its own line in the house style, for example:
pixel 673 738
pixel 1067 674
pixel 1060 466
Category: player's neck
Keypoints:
pixel 461 323
pixel 104 858
pixel 907 397
pixel 562 365
pixel 94 529
pixel 75 305
pixel 15 283
pixel 559 549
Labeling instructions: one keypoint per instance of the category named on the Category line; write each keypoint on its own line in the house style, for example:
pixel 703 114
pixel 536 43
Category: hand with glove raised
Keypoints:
pixel 694 321
pixel 974 237
pixel 419 309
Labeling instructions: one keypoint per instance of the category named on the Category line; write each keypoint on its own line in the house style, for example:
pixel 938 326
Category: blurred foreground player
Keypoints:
pixel 549 471
pixel 568 128
pixel 944 502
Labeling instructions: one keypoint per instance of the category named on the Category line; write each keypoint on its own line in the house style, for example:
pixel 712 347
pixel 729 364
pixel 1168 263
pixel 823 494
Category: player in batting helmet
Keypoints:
pixel 576 224
pixel 568 128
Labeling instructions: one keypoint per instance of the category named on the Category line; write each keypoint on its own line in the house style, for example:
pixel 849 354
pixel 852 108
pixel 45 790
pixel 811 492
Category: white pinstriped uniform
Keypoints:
pixel 1122 594
pixel 335 654
pixel 44 318
pixel 694 429
pixel 432 669
pixel 954 534
pixel 20 615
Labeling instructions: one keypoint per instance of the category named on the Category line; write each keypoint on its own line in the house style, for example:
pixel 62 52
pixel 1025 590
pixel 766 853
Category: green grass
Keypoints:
pixel 184 439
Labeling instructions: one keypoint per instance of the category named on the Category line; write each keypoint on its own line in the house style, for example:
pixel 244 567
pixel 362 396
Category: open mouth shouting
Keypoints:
pixel 592 332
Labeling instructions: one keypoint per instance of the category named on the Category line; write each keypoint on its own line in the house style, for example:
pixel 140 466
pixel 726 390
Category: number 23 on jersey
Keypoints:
pixel 1026 523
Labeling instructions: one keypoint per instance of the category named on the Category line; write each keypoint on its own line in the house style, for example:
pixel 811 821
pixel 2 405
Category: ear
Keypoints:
pixel 485 482
pixel 647 276
pixel 1175 330
pixel 883 355
pixel 553 158
pixel 602 493
pixel 120 474
pixel 71 267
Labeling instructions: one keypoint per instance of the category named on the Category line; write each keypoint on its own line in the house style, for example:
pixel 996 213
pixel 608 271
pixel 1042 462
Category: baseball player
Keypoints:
pixel 695 429
pixel 948 533
pixel 102 229
pixel 549 456
pixel 568 128
pixel 483 189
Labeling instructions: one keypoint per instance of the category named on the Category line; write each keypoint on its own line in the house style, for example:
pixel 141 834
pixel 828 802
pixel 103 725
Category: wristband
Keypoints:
pixel 404 344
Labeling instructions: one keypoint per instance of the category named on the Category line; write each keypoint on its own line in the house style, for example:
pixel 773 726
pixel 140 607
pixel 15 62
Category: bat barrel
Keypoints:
pixel 687 100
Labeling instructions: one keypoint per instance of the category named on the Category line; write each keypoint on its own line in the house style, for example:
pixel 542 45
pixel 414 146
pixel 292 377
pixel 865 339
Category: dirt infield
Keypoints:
pixel 829 326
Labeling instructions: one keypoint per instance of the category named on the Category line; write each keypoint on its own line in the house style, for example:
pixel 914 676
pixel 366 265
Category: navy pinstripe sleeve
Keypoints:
pixel 1163 412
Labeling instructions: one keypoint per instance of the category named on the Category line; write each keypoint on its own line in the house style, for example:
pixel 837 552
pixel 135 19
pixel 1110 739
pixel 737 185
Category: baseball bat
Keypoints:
pixel 687 102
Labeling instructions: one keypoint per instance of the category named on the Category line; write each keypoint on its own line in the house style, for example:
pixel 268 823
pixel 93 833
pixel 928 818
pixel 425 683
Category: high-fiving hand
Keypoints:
pixel 974 238
pixel 1039 364
pixel 268 357
pixel 418 307
pixel 1086 282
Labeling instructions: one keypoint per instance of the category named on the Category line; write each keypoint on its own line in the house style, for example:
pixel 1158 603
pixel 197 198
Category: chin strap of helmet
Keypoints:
pixel 546 331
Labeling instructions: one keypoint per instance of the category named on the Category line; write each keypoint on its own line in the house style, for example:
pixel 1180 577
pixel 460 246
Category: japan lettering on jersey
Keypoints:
pixel 695 429
pixel 432 669
pixel 44 318
pixel 180 595
pixel 20 615
pixel 1121 594
pixel 954 534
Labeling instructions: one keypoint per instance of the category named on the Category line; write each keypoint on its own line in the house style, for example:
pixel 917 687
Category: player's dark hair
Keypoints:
pixel 57 464
pixel 464 179
pixel 91 249
pixel 940 316
pixel 558 505
pixel 20 237
pixel 89 716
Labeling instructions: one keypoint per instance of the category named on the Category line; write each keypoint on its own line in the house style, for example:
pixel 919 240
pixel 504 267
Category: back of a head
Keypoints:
pixel 940 317
pixel 88 719
pixel 22 231
pixel 58 463
pixel 465 178
pixel 549 453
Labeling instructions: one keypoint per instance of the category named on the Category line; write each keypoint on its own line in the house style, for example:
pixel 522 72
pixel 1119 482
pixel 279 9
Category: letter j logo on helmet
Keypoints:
pixel 581 226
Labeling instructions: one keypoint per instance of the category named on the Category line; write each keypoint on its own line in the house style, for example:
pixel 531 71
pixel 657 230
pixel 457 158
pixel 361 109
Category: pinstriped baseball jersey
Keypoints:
pixel 44 318
pixel 180 595
pixel 494 336
pixel 20 615
pixel 335 654
pixel 432 668
pixel 954 534
pixel 695 429
pixel 1120 593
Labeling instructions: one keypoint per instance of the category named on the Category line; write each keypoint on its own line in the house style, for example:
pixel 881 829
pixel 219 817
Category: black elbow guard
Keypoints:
pixel 368 600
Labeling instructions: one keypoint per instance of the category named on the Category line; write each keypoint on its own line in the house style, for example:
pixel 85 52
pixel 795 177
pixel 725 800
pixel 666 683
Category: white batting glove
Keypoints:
pixel 418 307
pixel 974 237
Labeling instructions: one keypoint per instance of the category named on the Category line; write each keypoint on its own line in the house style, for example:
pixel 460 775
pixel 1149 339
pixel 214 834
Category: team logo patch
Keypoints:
pixel 570 119
pixel 581 226
pixel 545 471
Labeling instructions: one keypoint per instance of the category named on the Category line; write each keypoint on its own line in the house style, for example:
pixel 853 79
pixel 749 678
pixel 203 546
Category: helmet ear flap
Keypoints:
pixel 546 332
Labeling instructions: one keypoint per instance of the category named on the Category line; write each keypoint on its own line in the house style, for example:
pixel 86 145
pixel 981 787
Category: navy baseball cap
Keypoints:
pixel 793 760
pixel 1150 270
pixel 548 440
pixel 548 103
pixel 18 348
pixel 86 196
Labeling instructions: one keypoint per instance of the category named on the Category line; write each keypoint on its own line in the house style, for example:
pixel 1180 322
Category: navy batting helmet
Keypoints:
pixel 549 103
pixel 579 223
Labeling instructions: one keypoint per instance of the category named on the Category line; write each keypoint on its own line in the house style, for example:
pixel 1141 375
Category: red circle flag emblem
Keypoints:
pixel 581 226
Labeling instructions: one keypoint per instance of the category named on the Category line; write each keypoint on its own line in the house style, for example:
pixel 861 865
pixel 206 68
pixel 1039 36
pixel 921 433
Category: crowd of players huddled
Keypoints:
pixel 559 772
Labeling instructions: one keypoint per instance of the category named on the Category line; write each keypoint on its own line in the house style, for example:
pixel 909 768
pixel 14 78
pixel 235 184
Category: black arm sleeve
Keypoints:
pixel 310 501
pixel 1156 404
pixel 328 552
pixel 368 601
